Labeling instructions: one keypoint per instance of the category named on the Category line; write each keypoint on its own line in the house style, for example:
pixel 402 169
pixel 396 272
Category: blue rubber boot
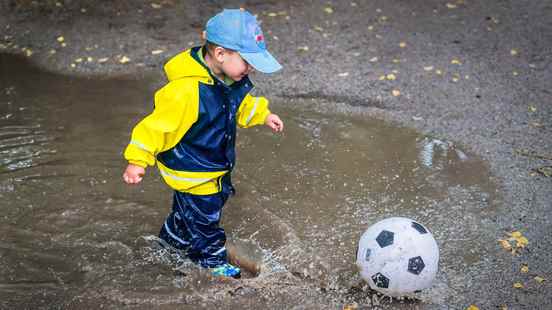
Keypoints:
pixel 226 270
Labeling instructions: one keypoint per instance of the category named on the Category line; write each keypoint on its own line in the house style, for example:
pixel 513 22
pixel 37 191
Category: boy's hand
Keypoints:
pixel 274 122
pixel 133 174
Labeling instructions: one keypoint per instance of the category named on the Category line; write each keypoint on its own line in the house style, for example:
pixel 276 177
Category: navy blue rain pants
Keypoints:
pixel 193 227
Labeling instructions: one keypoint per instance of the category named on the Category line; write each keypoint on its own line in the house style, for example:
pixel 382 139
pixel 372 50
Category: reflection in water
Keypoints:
pixel 73 235
pixel 432 148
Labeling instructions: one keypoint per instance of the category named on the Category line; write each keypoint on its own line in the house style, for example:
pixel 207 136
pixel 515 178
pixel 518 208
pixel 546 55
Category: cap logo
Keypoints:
pixel 259 38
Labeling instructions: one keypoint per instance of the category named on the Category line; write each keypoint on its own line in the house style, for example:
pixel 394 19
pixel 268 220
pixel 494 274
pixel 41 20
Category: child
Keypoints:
pixel 192 130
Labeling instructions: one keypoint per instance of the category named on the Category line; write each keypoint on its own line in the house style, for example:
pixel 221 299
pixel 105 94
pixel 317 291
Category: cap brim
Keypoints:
pixel 263 61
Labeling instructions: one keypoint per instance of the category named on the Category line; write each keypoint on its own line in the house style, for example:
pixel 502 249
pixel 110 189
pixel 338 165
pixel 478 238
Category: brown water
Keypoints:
pixel 72 235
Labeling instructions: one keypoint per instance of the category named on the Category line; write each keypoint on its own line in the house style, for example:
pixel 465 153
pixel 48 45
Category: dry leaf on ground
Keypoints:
pixel 515 242
pixel 518 285
pixel 539 279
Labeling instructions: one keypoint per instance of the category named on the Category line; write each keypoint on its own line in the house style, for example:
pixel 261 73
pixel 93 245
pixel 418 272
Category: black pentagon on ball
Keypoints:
pixel 419 228
pixel 367 255
pixel 416 265
pixel 380 280
pixel 385 238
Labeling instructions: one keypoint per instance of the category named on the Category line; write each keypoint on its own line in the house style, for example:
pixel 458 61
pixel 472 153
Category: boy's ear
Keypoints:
pixel 219 53
pixel 204 35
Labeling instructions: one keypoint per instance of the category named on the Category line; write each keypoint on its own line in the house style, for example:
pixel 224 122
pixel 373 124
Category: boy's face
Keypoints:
pixel 233 65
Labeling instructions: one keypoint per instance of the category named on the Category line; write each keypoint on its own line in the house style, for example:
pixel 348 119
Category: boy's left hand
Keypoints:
pixel 274 122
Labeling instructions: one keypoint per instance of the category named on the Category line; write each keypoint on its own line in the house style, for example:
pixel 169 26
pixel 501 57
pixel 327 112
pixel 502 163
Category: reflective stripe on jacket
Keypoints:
pixel 192 130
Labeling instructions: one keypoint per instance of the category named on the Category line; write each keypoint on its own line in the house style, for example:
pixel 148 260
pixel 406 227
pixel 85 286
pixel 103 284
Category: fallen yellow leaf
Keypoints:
pixel 350 307
pixel 539 279
pixel 428 68
pixel 28 51
pixel 318 28
pixel 438 72
pixel 328 10
pixel 524 269
pixel 513 52
pixel 503 307
pixel 381 78
pixel 272 14
pixel 370 28
pixel 505 244
pixel 532 109
pixel 390 77
pixel 515 234
pixel 124 60
pixel 455 62
pixel 373 59
pixel 472 307
pixel 402 44
pixel 78 60
pixel 60 39
pixel 521 242
pixel 156 52
pixel 303 48
pixel 156 5
pixel 518 285
pixel 451 6
pixel 103 59
pixel 396 92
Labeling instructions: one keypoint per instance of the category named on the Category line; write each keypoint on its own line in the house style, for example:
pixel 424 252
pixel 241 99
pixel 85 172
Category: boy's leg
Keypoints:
pixel 174 231
pixel 200 218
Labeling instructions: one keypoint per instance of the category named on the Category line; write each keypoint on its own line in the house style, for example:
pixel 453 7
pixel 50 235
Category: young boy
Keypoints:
pixel 192 130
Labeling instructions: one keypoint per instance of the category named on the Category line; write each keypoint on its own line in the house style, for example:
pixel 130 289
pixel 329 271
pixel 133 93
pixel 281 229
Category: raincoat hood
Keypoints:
pixel 184 65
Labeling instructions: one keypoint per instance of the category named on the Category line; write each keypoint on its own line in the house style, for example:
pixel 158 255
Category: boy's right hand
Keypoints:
pixel 133 174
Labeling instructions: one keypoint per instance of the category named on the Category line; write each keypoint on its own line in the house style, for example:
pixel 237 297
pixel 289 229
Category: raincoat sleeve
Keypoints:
pixel 253 111
pixel 176 110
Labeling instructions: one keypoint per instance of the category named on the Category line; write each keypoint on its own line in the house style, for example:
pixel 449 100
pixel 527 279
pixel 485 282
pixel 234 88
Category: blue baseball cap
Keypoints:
pixel 238 30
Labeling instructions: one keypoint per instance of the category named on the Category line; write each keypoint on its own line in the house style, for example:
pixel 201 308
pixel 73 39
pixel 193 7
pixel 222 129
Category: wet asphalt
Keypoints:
pixel 474 72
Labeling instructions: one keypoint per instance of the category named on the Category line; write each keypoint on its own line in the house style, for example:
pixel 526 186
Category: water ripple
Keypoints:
pixel 23 147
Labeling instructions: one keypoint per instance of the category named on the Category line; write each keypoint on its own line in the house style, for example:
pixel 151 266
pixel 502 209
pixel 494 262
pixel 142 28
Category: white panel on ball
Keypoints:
pixel 398 256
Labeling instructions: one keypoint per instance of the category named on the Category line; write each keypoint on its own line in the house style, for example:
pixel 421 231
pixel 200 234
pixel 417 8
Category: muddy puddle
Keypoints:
pixel 72 235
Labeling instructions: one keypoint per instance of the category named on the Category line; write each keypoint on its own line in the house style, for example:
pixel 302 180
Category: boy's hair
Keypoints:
pixel 210 48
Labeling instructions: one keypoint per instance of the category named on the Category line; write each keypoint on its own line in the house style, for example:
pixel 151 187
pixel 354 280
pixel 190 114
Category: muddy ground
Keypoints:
pixel 474 72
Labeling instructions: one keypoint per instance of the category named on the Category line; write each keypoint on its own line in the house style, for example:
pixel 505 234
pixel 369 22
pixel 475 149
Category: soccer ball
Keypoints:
pixel 397 256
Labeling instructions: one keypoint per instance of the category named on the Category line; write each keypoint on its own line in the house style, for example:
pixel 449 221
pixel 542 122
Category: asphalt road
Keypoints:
pixel 474 72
